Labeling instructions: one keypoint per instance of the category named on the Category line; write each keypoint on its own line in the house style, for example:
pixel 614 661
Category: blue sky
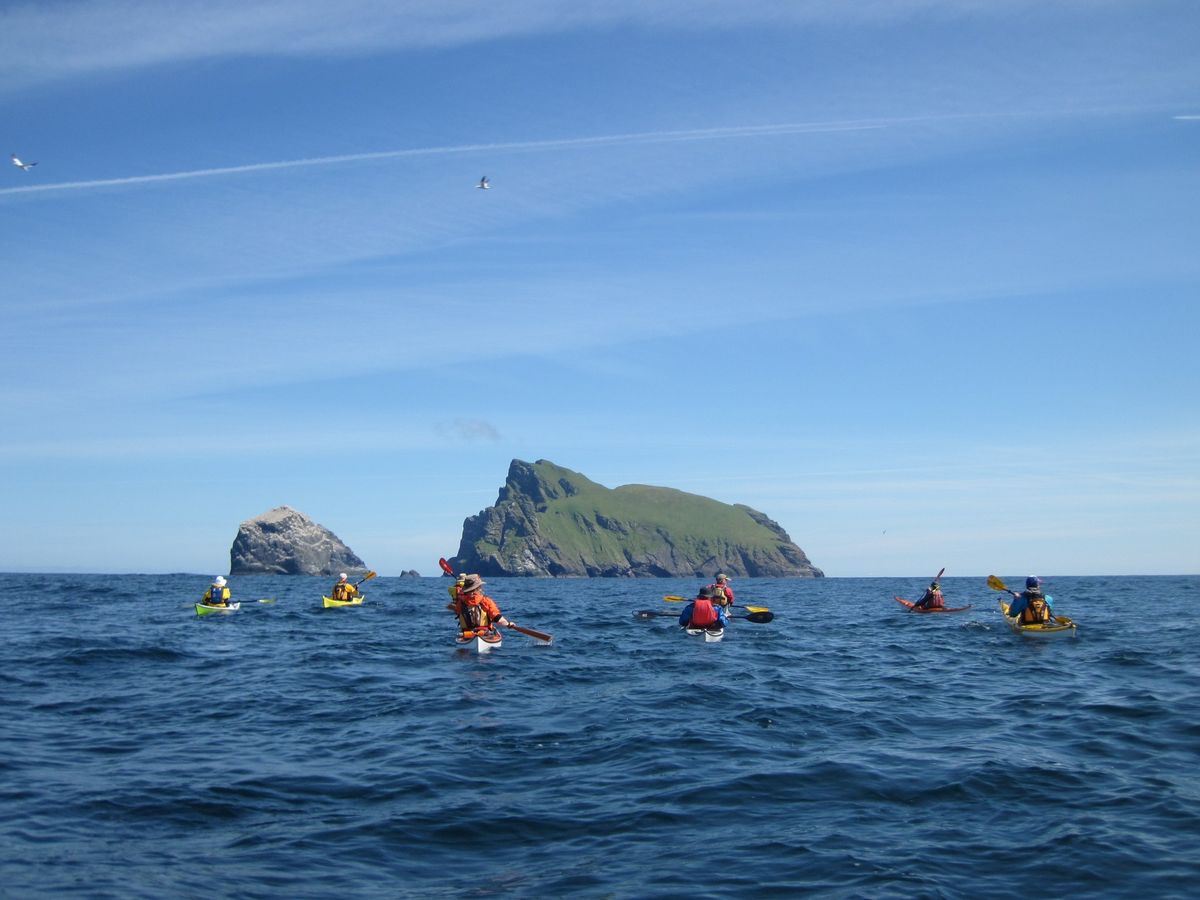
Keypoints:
pixel 917 278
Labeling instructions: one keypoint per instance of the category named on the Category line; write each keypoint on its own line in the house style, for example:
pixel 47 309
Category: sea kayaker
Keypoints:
pixel 704 611
pixel 217 593
pixel 475 610
pixel 1031 606
pixel 722 592
pixel 343 589
pixel 932 599
pixel 455 589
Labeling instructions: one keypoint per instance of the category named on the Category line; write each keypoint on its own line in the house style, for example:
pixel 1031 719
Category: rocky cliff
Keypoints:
pixel 286 542
pixel 551 521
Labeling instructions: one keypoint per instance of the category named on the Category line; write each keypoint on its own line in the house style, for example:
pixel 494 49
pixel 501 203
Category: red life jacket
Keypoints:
pixel 703 614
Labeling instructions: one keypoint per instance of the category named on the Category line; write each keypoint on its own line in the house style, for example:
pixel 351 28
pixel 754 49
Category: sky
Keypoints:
pixel 918 279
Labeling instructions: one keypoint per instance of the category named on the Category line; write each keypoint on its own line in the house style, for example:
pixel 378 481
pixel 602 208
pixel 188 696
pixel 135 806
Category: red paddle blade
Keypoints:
pixel 446 567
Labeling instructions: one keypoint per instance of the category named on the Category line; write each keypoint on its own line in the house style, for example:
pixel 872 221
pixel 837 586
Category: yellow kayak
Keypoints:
pixel 330 602
pixel 1063 627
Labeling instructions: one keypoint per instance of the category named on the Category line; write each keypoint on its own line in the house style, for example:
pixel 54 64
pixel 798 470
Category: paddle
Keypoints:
pixel 673 598
pixel 761 617
pixel 537 635
pixel 366 577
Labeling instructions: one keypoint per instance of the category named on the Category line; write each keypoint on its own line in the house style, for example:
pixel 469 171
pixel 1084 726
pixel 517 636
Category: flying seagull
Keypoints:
pixel 483 184
pixel 22 165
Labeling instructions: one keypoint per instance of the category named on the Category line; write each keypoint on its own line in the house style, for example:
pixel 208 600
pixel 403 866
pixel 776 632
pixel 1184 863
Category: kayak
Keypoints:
pixel 712 633
pixel 479 641
pixel 330 602
pixel 936 609
pixel 1064 627
pixel 203 609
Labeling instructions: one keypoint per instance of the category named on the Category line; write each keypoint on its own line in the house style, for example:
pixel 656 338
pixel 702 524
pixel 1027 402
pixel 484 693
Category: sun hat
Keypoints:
pixel 472 584
pixel 219 581
pixel 1032 581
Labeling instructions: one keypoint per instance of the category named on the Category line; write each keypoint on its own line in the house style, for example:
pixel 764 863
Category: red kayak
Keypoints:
pixel 936 609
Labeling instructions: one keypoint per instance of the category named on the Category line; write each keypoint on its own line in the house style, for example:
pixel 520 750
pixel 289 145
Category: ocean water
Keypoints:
pixel 847 749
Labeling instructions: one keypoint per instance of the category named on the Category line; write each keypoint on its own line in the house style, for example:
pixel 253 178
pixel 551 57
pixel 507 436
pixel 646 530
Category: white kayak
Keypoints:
pixel 712 633
pixel 480 643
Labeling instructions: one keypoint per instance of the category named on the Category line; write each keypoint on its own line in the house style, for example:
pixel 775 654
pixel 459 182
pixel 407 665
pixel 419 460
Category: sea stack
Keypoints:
pixel 286 542
pixel 551 521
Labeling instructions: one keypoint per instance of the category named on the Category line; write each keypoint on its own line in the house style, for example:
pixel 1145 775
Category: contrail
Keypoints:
pixel 645 137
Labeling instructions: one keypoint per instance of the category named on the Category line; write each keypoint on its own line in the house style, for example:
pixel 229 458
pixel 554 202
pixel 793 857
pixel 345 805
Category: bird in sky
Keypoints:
pixel 483 184
pixel 22 165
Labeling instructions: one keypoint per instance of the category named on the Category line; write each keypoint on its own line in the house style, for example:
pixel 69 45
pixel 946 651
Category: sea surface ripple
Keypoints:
pixel 847 749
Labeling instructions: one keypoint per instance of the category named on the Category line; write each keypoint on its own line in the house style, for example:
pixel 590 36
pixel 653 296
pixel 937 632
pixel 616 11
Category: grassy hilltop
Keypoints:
pixel 549 520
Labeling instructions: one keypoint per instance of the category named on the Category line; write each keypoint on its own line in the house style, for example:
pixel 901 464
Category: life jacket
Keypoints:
pixel 703 614
pixel 933 600
pixel 216 595
pixel 340 592
pixel 720 595
pixel 473 616
pixel 1036 610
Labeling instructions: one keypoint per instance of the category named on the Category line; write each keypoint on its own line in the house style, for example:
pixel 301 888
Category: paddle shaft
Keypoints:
pixel 675 598
pixel 757 617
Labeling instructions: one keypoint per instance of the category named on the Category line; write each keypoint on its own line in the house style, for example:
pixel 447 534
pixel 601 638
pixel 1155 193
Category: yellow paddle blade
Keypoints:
pixel 755 609
pixel 996 584
pixel 671 598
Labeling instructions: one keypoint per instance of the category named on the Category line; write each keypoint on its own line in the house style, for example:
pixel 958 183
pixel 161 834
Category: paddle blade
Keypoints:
pixel 996 584
pixel 651 614
pixel 754 609
pixel 446 567
pixel 536 635
pixel 938 576
pixel 672 598
pixel 760 617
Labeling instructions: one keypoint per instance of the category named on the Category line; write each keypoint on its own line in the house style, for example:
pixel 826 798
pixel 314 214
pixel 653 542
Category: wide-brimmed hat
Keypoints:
pixel 219 581
pixel 472 583
pixel 706 593
pixel 721 576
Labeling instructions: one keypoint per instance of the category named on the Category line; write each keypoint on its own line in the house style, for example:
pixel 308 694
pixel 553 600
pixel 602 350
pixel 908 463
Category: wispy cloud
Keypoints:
pixel 469 430
pixel 44 41
pixel 645 137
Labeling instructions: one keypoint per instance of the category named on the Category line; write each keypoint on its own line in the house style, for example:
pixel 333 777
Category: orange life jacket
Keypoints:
pixel 1036 611
pixel 472 611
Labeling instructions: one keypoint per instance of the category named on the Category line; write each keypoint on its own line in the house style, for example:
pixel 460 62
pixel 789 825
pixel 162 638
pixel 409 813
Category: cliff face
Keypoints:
pixel 551 521
pixel 286 542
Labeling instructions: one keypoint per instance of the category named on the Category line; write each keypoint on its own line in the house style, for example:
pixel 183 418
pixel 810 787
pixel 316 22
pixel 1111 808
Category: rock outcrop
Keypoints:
pixel 551 521
pixel 286 542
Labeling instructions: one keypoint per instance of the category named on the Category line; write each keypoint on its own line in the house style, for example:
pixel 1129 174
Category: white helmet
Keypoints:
pixel 219 581
pixel 343 577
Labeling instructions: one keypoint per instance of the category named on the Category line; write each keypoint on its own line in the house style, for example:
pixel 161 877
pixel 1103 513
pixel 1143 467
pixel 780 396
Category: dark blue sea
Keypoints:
pixel 849 748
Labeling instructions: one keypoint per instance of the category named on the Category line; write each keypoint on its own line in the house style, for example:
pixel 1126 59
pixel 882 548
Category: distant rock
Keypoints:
pixel 551 521
pixel 410 573
pixel 286 542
